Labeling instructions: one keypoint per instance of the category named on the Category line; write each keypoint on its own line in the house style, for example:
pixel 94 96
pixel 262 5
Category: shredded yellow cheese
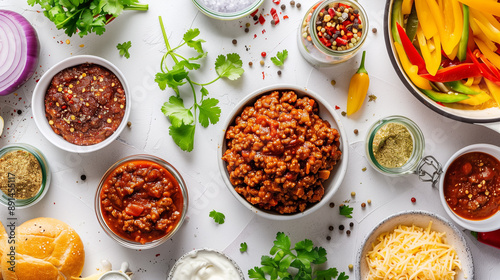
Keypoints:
pixel 411 252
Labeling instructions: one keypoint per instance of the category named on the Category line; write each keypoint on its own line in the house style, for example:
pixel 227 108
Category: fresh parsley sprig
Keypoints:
pixel 280 57
pixel 85 16
pixel 217 216
pixel 123 48
pixel 303 258
pixel 345 210
pixel 182 118
pixel 243 247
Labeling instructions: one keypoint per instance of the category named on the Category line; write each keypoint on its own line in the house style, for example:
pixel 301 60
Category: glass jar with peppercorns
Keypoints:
pixel 332 31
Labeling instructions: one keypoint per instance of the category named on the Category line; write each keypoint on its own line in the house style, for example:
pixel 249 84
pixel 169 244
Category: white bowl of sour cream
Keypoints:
pixel 205 264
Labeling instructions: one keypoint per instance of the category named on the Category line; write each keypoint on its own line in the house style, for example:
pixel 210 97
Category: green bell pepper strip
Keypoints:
pixel 462 46
pixel 444 97
pixel 458 86
pixel 396 18
pixel 412 24
pixel 410 50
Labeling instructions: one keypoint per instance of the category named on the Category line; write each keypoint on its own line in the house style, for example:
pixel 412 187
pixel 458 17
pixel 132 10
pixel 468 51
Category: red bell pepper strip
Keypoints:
pixel 493 69
pixel 276 18
pixel 484 70
pixel 261 19
pixel 412 53
pixel 254 13
pixel 454 73
pixel 491 238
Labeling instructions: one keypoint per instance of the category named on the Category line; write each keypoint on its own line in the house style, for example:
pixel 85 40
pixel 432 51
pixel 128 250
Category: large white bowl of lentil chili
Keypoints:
pixel 283 153
pixel 469 187
pixel 81 104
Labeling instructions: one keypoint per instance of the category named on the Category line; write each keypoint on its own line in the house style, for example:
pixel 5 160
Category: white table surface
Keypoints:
pixel 72 200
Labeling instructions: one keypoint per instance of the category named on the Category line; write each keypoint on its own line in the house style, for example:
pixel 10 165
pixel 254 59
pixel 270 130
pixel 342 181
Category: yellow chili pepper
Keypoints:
pixel 358 87
pixel 431 51
pixel 410 69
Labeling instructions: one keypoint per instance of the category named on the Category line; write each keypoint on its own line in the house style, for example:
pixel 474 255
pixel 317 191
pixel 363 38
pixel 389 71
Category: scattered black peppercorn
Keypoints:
pixel 250 64
pixel 235 41
pixel 255 17
pixel 332 204
pixel 363 205
pixel 292 3
pixel 279 72
pixel 351 224
pixel 330 228
pixel 19 112
pixel 283 7
pixel 348 232
pixel 328 238
pixel 374 30
pixel 356 131
pixel 129 124
pixel 341 227
pixel 246 29
pixel 298 5
pixel 273 22
pixel 83 177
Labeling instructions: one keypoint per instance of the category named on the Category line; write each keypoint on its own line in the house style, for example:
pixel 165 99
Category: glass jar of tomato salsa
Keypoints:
pixel 332 31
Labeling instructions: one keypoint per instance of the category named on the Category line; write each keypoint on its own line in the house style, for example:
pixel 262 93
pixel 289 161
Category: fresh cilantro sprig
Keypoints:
pixel 204 110
pixel 85 16
pixel 280 57
pixel 303 258
pixel 243 247
pixel 346 211
pixel 217 216
pixel 123 48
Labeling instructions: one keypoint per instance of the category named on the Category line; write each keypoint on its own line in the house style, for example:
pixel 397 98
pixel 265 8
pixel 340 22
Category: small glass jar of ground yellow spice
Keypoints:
pixel 24 176
pixel 395 146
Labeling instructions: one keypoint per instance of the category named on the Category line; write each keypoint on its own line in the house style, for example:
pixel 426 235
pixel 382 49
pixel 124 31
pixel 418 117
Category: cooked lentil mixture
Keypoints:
pixel 141 201
pixel 85 104
pixel 20 174
pixel 279 152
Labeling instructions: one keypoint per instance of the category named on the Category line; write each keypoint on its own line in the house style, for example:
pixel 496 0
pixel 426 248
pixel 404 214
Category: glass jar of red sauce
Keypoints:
pixel 141 201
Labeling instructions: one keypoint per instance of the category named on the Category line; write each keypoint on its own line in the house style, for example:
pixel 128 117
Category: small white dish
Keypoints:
pixel 204 268
pixel 38 103
pixel 245 11
pixel 454 237
pixel 490 224
pixel 326 112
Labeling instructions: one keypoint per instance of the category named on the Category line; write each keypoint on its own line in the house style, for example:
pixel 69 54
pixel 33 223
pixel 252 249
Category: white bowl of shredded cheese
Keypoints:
pixel 415 245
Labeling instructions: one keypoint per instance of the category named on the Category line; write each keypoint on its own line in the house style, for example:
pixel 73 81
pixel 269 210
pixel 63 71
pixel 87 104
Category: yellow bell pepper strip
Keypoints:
pixel 488 29
pixel 406 7
pixel 477 99
pixel 358 87
pixel 438 17
pixel 462 46
pixel 453 26
pixel 494 90
pixel 410 69
pixel 444 97
pixel 478 33
pixel 485 6
pixel 396 18
pixel 410 50
pixel 490 55
pixel 432 57
pixel 469 82
pixel 426 19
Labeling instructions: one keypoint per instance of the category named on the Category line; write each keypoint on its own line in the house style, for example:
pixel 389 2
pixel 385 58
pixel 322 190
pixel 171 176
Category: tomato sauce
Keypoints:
pixel 141 201
pixel 472 186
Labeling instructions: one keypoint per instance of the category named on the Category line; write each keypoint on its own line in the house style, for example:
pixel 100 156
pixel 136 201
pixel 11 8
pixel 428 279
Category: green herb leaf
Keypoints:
pixel 177 113
pixel 346 211
pixel 229 66
pixel 123 48
pixel 327 274
pixel 172 79
pixel 191 34
pixel 243 247
pixel 217 216
pixel 280 57
pixel 256 273
pixel 209 111
pixel 183 136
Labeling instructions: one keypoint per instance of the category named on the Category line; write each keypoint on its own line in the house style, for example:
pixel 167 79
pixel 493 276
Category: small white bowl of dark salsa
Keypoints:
pixel 81 104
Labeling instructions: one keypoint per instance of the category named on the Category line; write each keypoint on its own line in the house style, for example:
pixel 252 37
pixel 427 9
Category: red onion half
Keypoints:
pixel 19 49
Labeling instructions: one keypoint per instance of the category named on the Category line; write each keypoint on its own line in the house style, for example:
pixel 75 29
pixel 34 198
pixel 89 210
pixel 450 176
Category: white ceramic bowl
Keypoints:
pixel 326 112
pixel 38 107
pixel 194 252
pixel 200 4
pixel 454 237
pixel 490 224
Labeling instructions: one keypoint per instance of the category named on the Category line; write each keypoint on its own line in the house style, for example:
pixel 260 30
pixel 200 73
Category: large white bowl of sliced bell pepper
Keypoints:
pixel 447 53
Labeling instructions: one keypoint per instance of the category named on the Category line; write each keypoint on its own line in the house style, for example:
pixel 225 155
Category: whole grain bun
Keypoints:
pixel 3 242
pixel 46 249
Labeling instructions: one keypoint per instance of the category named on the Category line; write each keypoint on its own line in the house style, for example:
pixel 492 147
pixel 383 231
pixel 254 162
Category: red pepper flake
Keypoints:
pixel 37 80
pixel 276 18
pixel 263 31
pixel 277 2
pixel 157 255
pixel 261 19
pixel 254 13
pixel 263 75
pixel 254 36
pixel 337 107
pixel 285 17
pixel 63 107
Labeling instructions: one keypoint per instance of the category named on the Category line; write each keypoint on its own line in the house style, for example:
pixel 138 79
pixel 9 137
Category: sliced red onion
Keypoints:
pixel 19 49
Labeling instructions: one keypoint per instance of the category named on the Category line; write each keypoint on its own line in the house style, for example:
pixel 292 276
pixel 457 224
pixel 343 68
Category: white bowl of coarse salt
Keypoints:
pixel 227 9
